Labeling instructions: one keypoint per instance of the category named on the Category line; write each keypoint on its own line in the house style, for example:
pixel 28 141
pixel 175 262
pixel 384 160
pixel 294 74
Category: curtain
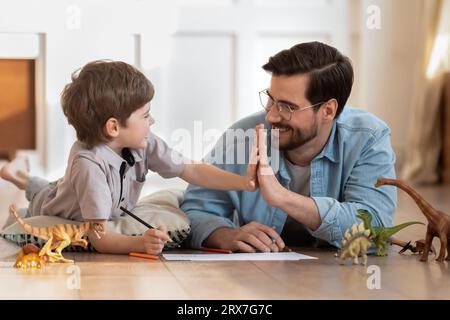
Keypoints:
pixel 424 134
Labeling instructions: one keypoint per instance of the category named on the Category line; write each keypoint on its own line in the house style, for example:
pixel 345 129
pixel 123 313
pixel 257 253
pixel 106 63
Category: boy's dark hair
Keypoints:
pixel 99 91
pixel 330 72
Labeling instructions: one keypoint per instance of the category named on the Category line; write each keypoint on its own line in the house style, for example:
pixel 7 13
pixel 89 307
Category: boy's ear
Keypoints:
pixel 112 127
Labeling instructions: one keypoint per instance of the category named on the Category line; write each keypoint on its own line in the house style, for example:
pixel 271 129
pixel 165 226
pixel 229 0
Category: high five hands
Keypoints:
pixel 254 236
pixel 260 173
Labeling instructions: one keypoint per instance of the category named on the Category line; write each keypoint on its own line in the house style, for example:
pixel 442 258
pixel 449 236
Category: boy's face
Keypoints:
pixel 135 134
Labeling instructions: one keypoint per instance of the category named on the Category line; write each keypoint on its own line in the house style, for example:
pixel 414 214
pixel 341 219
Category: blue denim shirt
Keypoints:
pixel 343 174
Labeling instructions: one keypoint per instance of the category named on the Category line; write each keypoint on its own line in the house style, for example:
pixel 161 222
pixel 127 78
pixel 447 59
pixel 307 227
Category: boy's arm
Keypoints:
pixel 207 176
pixel 169 163
pixel 152 241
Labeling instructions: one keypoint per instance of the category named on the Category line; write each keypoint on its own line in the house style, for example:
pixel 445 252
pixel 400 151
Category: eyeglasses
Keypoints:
pixel 284 109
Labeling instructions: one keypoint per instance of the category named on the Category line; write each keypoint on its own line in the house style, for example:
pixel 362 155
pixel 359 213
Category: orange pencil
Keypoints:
pixel 143 255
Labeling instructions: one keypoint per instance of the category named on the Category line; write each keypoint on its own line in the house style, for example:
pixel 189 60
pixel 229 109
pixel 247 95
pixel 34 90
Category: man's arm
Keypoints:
pixel 211 215
pixel 208 210
pixel 326 217
pixel 377 160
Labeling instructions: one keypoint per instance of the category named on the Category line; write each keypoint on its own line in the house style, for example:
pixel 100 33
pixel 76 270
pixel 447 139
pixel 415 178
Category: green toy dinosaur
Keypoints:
pixel 380 235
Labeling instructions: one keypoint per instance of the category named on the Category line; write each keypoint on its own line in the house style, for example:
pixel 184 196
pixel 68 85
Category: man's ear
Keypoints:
pixel 112 127
pixel 329 109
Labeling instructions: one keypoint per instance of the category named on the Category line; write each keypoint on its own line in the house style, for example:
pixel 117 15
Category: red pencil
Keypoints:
pixel 214 250
pixel 143 255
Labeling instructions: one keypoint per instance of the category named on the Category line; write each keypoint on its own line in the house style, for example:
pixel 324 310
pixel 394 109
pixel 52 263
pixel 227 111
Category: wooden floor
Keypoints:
pixel 123 277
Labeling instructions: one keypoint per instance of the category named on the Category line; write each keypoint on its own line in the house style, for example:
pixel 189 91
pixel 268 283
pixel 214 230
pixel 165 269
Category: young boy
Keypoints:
pixel 108 104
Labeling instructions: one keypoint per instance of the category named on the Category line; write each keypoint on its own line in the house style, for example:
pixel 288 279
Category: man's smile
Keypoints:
pixel 281 128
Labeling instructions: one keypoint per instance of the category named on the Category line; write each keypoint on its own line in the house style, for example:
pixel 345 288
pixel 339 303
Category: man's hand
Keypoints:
pixel 271 190
pixel 155 239
pixel 251 237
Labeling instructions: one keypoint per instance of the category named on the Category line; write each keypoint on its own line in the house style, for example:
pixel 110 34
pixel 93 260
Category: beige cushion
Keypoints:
pixel 157 209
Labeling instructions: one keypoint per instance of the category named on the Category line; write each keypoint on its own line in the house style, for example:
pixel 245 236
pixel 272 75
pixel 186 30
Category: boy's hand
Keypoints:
pixel 251 178
pixel 155 239
pixel 270 188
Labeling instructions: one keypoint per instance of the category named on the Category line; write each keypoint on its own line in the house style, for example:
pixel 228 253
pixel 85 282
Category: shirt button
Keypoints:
pixel 122 199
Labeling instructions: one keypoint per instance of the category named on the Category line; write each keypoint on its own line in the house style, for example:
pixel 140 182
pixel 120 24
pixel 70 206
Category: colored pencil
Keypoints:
pixel 143 255
pixel 136 217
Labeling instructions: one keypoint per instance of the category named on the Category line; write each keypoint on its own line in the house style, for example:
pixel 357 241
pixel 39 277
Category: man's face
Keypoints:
pixel 303 125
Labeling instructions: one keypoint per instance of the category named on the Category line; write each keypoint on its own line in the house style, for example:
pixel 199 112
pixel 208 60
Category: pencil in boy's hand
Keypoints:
pixel 140 220
pixel 143 255
pixel 136 217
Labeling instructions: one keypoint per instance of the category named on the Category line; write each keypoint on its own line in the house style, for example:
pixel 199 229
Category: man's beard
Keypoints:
pixel 298 138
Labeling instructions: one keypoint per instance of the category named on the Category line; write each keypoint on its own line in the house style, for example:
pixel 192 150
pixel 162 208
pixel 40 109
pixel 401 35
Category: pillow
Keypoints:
pixel 159 208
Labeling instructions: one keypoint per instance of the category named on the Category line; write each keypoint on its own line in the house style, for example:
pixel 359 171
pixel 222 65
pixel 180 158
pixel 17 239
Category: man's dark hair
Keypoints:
pixel 330 72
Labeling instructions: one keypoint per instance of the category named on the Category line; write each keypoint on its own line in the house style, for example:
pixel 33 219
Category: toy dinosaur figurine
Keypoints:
pixel 59 236
pixel 28 257
pixel 380 235
pixel 417 247
pixel 438 221
pixel 355 243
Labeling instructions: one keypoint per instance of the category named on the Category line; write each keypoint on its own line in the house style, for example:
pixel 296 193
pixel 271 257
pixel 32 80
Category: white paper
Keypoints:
pixel 237 256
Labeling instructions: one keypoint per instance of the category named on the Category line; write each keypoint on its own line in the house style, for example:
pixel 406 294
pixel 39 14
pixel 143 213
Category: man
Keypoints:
pixel 330 158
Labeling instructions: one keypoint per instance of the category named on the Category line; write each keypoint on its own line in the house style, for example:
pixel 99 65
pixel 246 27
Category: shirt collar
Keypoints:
pixel 130 156
pixel 331 149
pixel 283 171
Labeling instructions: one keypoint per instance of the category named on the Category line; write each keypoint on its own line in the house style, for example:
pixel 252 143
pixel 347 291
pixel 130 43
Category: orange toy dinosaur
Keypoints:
pixel 29 258
pixel 59 236
pixel 438 221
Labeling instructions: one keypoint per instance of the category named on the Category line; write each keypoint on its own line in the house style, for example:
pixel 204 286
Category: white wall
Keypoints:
pixel 71 34
pixel 203 56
